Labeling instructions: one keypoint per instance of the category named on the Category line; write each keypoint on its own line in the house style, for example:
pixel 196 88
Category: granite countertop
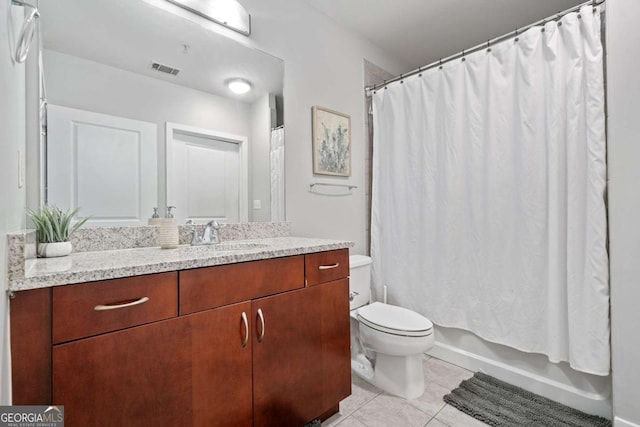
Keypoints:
pixel 100 265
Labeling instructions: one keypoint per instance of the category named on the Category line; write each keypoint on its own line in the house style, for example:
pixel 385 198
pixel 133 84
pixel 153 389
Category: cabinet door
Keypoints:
pixel 336 343
pixel 305 338
pixel 135 377
pixel 192 370
pixel 221 373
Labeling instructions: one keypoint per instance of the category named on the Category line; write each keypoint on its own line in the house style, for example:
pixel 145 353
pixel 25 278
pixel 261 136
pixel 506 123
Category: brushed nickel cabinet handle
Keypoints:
pixel 261 317
pixel 117 306
pixel 329 267
pixel 246 329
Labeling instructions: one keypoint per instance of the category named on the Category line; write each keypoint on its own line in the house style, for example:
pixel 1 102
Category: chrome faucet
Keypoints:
pixel 209 234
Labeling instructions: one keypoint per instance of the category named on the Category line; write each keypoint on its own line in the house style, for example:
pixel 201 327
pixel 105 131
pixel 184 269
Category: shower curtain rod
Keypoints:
pixel 485 45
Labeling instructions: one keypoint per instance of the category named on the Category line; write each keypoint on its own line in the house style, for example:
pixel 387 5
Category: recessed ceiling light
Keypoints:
pixel 239 86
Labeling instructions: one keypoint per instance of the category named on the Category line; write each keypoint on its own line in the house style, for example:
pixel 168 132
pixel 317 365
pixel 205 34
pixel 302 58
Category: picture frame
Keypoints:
pixel 331 142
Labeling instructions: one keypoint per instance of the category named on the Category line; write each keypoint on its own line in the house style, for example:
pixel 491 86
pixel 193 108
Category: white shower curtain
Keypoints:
pixel 488 193
pixel 276 154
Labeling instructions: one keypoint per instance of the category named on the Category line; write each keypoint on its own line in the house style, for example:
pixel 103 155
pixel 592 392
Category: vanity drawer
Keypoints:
pixel 94 308
pixel 210 287
pixel 327 266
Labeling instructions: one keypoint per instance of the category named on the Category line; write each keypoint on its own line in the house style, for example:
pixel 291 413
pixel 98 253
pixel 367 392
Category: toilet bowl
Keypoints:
pixel 387 342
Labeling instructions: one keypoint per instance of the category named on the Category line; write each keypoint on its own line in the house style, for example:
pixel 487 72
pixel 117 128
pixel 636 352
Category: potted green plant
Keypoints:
pixel 53 230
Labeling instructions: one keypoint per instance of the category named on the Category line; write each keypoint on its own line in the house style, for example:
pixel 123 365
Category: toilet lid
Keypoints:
pixel 395 320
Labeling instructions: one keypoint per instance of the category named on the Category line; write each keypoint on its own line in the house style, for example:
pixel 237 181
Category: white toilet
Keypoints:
pixel 387 342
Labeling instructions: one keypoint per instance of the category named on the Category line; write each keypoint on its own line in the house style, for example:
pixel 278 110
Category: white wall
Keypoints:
pixel 323 66
pixel 623 73
pixel 262 111
pixel 87 85
pixel 12 198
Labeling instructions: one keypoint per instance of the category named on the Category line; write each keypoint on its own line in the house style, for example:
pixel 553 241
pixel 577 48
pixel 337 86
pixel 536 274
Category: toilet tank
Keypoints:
pixel 359 280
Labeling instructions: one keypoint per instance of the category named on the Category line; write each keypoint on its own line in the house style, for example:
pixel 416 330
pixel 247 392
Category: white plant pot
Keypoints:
pixel 52 250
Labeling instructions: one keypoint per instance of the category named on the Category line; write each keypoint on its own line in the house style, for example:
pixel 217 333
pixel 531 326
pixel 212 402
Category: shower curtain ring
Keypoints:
pixel 440 62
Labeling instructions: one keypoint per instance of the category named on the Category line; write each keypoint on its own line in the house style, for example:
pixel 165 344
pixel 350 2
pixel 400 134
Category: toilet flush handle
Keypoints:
pixel 352 295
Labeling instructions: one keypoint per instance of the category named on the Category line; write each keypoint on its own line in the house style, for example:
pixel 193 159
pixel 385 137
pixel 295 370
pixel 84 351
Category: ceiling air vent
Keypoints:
pixel 164 68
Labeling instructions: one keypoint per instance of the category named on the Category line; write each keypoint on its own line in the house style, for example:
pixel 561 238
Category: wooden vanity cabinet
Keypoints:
pixel 88 309
pixel 299 335
pixel 301 358
pixel 322 267
pixel 195 356
pixel 31 347
pixel 221 376
pixel 211 287
pixel 126 378
pixel 190 370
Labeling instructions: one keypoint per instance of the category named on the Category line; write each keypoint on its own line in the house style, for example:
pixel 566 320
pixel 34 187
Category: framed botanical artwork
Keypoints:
pixel 331 142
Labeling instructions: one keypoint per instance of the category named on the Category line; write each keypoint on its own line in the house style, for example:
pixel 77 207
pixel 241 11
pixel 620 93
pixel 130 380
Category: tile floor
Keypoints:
pixel 369 406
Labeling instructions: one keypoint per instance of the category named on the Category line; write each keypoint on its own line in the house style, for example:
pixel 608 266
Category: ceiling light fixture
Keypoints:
pixel 239 86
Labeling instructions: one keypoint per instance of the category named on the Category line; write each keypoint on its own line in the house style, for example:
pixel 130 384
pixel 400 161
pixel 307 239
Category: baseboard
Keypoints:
pixel 592 403
pixel 619 422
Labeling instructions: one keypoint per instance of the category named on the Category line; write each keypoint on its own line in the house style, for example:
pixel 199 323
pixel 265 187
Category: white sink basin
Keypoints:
pixel 232 246
pixel 222 247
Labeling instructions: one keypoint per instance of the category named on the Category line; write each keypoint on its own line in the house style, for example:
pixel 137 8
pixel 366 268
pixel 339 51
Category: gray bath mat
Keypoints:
pixel 499 404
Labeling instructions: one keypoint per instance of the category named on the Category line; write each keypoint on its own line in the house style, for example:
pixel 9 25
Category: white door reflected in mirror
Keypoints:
pixel 102 164
pixel 206 174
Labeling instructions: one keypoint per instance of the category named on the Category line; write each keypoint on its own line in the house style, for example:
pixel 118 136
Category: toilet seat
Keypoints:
pixel 394 320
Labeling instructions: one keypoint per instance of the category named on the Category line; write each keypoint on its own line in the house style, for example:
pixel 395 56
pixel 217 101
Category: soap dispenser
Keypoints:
pixel 155 218
pixel 168 236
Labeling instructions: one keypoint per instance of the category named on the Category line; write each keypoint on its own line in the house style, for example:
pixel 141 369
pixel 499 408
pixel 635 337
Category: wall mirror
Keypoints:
pixel 139 115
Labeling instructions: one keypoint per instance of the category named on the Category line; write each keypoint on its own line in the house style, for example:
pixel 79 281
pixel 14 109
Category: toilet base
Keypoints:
pixel 398 375
pixel 362 367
